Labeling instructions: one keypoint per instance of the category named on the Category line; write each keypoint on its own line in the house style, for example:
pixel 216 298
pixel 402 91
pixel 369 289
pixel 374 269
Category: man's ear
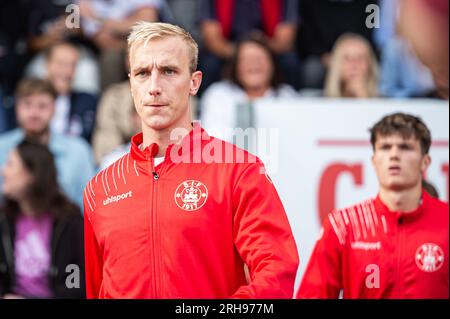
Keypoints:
pixel 426 161
pixel 196 81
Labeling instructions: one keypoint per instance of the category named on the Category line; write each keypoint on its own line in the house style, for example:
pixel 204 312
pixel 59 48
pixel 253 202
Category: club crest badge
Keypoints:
pixel 429 257
pixel 191 195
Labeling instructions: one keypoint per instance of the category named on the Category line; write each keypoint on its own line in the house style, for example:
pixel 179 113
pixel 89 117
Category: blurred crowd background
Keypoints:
pixel 65 86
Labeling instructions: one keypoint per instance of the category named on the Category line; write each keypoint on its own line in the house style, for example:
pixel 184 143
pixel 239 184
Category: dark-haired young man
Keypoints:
pixel 393 246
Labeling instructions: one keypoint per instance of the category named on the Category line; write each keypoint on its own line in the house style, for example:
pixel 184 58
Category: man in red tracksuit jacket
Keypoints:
pixel 393 246
pixel 182 219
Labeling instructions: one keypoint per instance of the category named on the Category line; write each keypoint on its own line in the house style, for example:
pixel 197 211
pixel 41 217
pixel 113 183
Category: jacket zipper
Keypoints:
pixel 155 234
pixel 399 254
pixel 152 233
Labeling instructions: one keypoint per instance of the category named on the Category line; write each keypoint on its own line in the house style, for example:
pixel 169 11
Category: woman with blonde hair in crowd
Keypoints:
pixel 353 69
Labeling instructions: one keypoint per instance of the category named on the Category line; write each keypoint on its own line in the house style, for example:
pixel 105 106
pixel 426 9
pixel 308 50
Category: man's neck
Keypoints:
pixel 43 137
pixel 163 137
pixel 402 201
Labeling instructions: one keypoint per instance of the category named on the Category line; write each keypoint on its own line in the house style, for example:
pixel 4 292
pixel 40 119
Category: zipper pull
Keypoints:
pixel 155 176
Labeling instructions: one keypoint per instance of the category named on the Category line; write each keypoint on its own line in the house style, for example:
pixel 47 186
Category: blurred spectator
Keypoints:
pixel 47 26
pixel 13 56
pixel 47 23
pixel 118 152
pixel 224 22
pixel 34 108
pixel 185 14
pixel 7 115
pixel 3 116
pixel 424 23
pixel 114 125
pixel 75 111
pixel 321 24
pixel 389 10
pixel 402 75
pixel 3 124
pixel 353 69
pixel 41 230
pixel 107 23
pixel 253 76
pixel 13 47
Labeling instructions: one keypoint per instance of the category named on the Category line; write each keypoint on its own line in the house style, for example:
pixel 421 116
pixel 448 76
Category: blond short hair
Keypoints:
pixel 333 84
pixel 143 31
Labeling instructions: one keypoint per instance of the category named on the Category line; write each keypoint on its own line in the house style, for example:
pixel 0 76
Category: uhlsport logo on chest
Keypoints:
pixel 117 198
pixel 191 195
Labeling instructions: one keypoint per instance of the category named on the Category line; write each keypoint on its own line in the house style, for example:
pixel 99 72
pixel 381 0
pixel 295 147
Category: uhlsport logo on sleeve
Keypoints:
pixel 191 195
pixel 429 257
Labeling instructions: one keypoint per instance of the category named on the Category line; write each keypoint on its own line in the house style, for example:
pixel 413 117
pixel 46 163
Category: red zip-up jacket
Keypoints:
pixel 186 230
pixel 371 252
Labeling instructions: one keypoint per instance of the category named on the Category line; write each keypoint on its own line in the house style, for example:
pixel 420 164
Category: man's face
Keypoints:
pixel 35 112
pixel 398 162
pixel 61 68
pixel 161 83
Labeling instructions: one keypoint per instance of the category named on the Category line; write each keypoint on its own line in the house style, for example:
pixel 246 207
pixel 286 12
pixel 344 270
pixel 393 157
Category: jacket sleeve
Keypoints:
pixel 323 275
pixel 263 237
pixel 93 260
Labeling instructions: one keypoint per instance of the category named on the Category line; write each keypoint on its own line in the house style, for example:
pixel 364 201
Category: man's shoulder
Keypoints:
pixel 105 184
pixel 342 218
pixel 368 203
pixel 438 206
pixel 232 154
pixel 118 165
pixel 11 136
pixel 9 140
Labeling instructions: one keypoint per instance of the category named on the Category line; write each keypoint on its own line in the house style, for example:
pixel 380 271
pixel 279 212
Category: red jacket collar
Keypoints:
pixel 383 209
pixel 190 143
